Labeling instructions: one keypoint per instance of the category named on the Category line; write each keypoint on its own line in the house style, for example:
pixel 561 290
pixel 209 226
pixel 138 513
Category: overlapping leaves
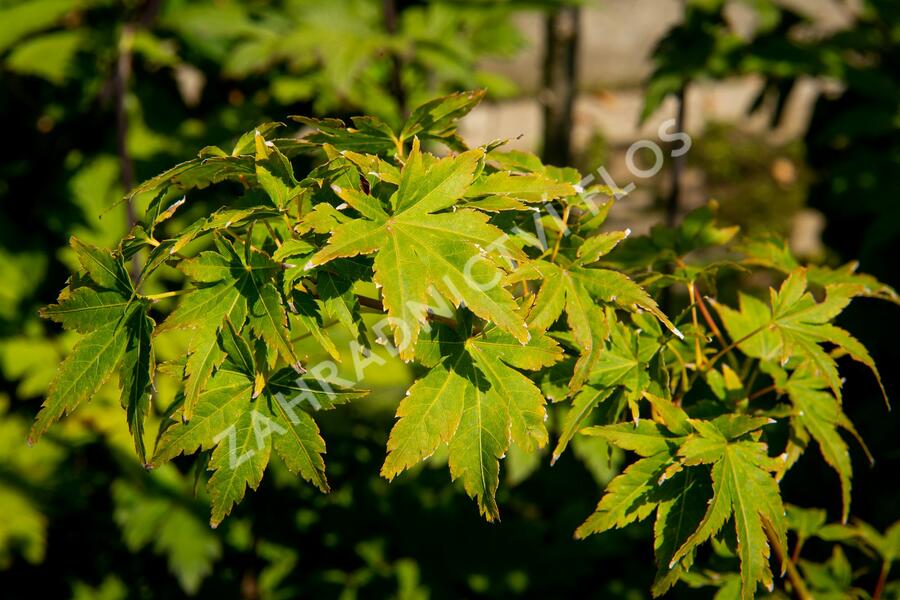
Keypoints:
pixel 440 247
pixel 476 400
pixel 418 248
pixel 674 474
pixel 103 305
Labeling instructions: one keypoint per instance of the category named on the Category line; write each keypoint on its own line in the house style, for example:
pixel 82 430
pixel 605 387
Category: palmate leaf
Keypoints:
pixel 669 477
pixel 437 120
pixel 475 400
pixel 817 413
pixel 644 487
pixel 85 309
pixel 245 429
pixel 90 364
pixel 418 249
pixel 104 306
pixel 244 421
pixel 571 285
pixel 136 376
pixel 444 243
pixel 794 324
pixel 621 364
pixel 743 489
pixel 235 286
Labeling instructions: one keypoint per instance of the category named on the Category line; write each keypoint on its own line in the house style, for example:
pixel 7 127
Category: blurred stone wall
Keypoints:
pixel 616 41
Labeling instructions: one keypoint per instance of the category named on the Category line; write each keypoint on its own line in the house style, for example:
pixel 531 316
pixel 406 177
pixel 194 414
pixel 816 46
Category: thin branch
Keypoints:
pixel 126 167
pixel 709 320
pixel 172 294
pixel 562 230
pixel 692 293
pixel 732 346
pixel 798 546
pixel 273 234
pixel 761 392
pixel 378 306
pixel 882 580
pixel 120 79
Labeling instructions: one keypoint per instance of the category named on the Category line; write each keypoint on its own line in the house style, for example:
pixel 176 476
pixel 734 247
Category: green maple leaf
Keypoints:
pixel 667 479
pixel 105 269
pixel 233 286
pixel 794 324
pixel 93 359
pixel 275 173
pixel 622 363
pixel 436 119
pixel 214 165
pixel 645 487
pixel 632 495
pixel 136 376
pixel 625 362
pixel 678 514
pixel 743 489
pixel 570 284
pixel 103 305
pixel 86 309
pixel 818 414
pixel 368 134
pixel 244 423
pixel 776 254
pixel 419 249
pixel 475 400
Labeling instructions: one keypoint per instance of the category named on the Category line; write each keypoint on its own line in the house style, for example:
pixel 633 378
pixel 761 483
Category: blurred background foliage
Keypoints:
pixel 98 95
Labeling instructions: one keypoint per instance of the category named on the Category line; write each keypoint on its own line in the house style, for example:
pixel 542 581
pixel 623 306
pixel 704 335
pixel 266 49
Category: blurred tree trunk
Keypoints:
pixel 673 201
pixel 121 78
pixel 390 13
pixel 559 83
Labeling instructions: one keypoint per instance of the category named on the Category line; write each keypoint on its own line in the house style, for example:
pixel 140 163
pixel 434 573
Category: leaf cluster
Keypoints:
pixel 526 319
